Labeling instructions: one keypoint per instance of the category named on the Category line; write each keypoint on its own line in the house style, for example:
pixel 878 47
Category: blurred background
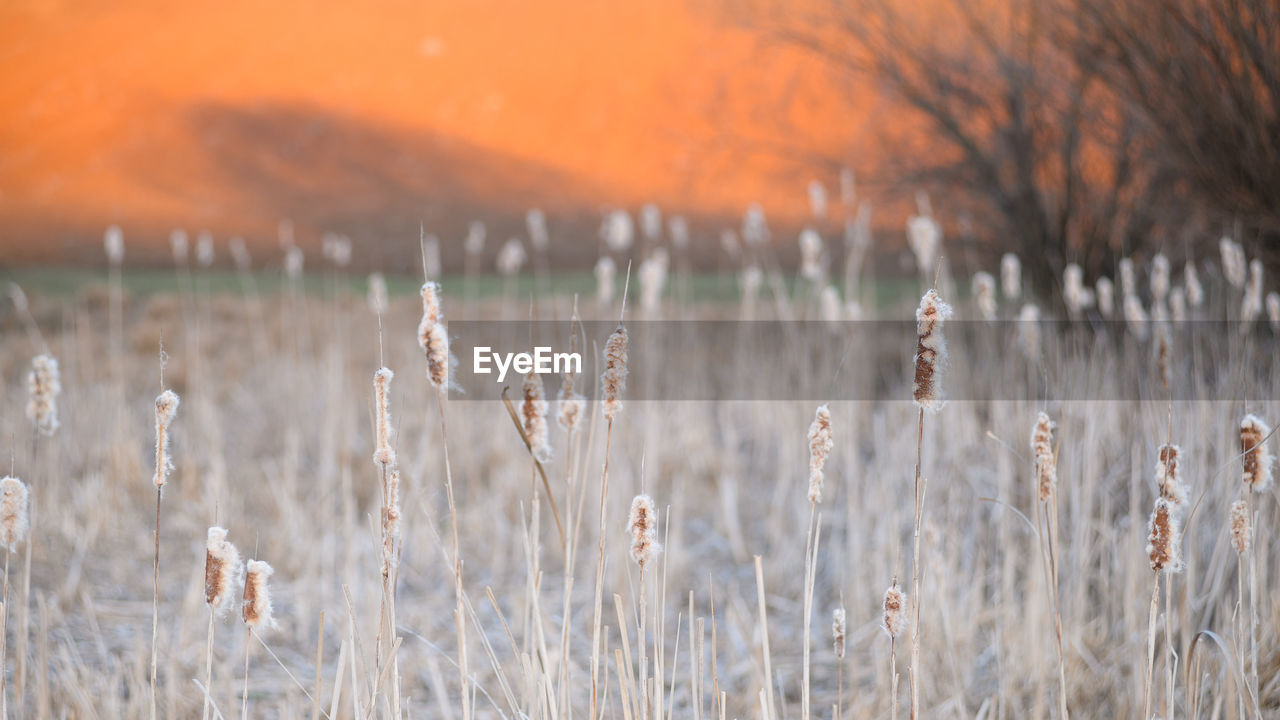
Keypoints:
pixel 1065 130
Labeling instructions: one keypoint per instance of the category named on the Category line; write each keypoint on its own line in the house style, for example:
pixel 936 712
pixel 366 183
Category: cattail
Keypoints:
pixel 1191 279
pixel 1136 317
pixel 180 245
pixel 1046 461
pixel 1164 353
pixel 1251 304
pixel 1257 458
pixel 14 519
pixel 533 415
pixel 222 571
pixel 383 454
pixel 678 229
pixel 44 385
pixel 1159 277
pixel 1011 276
pixel 811 255
pixel 1241 527
pixel 931 351
pixel 1164 537
pixel 1073 289
pixel 895 610
pixel 984 293
pixel 651 222
pixel 205 253
pixel 614 378
pixel 1233 262
pixel 433 337
pixel 256 606
pixel 1106 292
pixel 377 293
pixel 605 271
pixel 924 234
pixel 293 259
pixel 1029 332
pixel 511 258
pixel 618 231
pixel 751 280
pixel 820 444
pixel 535 223
pixel 1128 278
pixel 817 199
pixel 113 243
pixel 166 408
pixel 729 243
pixel 1168 480
pixel 1273 311
pixel 643 528
pixel 837 631
pixel 755 228
pixel 653 279
pixel 474 243
pixel 391 522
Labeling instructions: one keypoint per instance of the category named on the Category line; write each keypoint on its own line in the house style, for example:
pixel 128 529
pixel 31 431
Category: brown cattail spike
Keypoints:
pixel 533 416
pixel 643 528
pixel 1164 537
pixel 931 351
pixel 614 379
pixel 1241 527
pixel 433 337
pixel 14 518
pixel 391 523
pixel 1046 462
pixel 44 385
pixel 895 610
pixel 1257 458
pixel 222 571
pixel 820 444
pixel 256 607
pixel 166 408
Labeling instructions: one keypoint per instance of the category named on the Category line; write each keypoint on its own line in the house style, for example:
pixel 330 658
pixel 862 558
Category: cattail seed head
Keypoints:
pixel 1234 267
pixel 533 416
pixel 166 408
pixel 1160 271
pixel 1191 279
pixel 44 385
pixel 1042 450
pixel 14 512
pixel 1164 537
pixel 837 631
pixel 820 444
pixel 433 337
pixel 605 271
pixel 383 454
pixel 1168 479
pixel 1257 458
pixel 256 606
pixel 895 610
pixel 1241 527
pixel 113 243
pixel 931 351
pixel 1073 295
pixel 222 571
pixel 984 293
pixel 1136 316
pixel 614 379
pixel 1106 293
pixel 1029 332
pixel 643 528
pixel 1011 276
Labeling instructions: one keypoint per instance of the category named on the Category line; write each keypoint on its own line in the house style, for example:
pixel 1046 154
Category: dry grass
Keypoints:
pixel 278 425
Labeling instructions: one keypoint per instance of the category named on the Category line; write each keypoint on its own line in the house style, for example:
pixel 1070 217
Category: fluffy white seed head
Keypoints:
pixel 1106 293
pixel 474 243
pixel 924 234
pixel 817 199
pixel 1257 456
pixel 605 271
pixel 511 258
pixel 433 337
pixel 984 295
pixel 535 222
pixel 44 384
pixel 1241 527
pixel 838 631
pixel 240 254
pixel 1164 537
pixel 255 608
pixel 1073 289
pixel 1168 478
pixel 931 352
pixel 166 409
pixel 642 526
pixel 820 444
pixel 1160 270
pixel 1042 452
pixel 383 453
pixel 895 610
pixel 113 244
pixel 1011 276
pixel 618 231
pixel 1178 304
pixel 1029 332
pixel 1191 279
pixel 14 512
pixel 614 378
pixel 180 245
pixel 1234 267
pixel 533 417
pixel 1136 317
pixel 1128 277
pixel 223 571
pixel 1251 303
pixel 811 247
pixel 653 280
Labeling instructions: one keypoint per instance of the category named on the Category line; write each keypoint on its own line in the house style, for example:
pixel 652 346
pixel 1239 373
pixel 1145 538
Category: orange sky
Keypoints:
pixel 231 115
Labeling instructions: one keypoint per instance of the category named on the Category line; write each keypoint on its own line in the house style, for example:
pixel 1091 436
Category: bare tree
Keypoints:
pixel 1020 134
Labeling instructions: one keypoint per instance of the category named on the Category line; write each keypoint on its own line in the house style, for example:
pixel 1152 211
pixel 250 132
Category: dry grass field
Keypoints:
pixel 426 569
